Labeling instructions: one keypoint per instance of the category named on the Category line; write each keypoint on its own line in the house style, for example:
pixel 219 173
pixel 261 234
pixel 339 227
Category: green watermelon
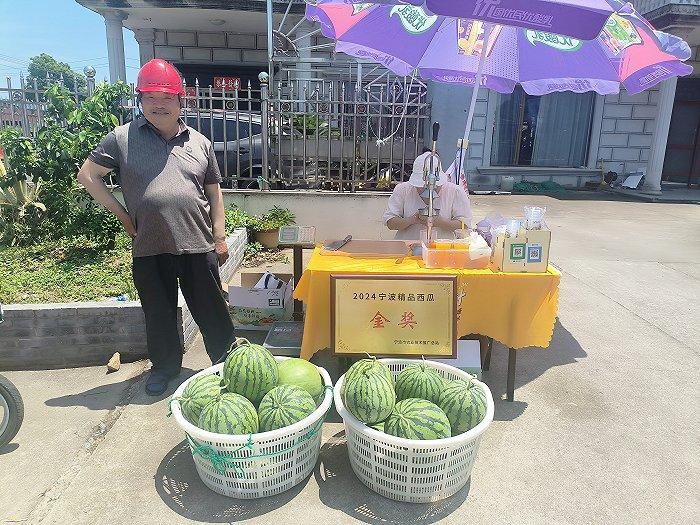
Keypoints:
pixel 419 380
pixel 369 396
pixel 251 371
pixel 378 426
pixel 464 402
pixel 417 419
pixel 198 393
pixel 284 405
pixel 370 365
pixel 229 414
pixel 301 373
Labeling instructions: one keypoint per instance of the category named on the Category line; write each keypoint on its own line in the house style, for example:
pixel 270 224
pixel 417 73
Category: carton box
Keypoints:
pixel 528 252
pixel 258 309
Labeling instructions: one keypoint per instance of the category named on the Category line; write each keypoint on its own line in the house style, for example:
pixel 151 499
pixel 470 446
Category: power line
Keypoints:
pixel 14 60
pixel 85 60
pixel 8 66
pixel 95 59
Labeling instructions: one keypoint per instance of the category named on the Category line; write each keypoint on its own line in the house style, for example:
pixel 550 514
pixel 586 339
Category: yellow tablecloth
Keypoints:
pixel 517 309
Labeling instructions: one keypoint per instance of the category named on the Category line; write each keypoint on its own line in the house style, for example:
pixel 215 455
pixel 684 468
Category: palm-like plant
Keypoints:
pixel 19 204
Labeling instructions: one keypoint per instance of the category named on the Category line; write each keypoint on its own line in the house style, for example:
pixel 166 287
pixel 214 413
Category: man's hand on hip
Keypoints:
pixel 221 249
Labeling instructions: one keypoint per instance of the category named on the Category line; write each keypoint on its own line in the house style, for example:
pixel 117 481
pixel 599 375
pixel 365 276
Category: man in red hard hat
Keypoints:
pixel 175 215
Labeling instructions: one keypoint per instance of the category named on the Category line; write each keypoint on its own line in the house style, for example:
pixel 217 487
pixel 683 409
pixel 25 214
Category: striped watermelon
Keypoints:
pixel 229 414
pixel 464 402
pixel 417 419
pixel 251 371
pixel 420 381
pixel 369 396
pixel 378 426
pixel 371 366
pixel 284 405
pixel 198 393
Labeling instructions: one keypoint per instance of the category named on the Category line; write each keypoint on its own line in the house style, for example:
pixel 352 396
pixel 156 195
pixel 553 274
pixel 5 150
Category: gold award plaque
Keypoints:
pixel 402 315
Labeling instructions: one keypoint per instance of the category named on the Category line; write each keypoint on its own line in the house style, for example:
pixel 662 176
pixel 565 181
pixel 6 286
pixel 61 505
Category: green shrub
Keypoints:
pixel 275 218
pixel 22 214
pixel 70 132
pixel 235 218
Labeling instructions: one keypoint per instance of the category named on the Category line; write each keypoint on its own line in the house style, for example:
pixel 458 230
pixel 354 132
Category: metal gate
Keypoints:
pixel 342 131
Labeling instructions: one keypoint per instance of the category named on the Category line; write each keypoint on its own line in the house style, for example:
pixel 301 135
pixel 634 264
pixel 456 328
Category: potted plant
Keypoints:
pixel 266 227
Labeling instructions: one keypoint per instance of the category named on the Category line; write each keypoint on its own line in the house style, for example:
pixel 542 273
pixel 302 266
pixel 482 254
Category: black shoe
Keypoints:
pixel 157 383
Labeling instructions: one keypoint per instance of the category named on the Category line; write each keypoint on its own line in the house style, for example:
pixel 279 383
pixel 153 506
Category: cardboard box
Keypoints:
pixel 528 252
pixel 259 309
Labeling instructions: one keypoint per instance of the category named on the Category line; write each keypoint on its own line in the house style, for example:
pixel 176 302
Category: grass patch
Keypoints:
pixel 65 271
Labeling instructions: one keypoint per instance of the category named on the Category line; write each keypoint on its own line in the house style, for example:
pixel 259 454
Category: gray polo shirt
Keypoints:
pixel 163 186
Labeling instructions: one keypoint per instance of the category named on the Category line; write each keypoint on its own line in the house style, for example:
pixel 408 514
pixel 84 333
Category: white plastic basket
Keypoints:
pixel 410 470
pixel 260 465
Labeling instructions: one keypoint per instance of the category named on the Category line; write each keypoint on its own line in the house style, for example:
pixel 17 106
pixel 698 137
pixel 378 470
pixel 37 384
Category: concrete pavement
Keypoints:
pixel 604 428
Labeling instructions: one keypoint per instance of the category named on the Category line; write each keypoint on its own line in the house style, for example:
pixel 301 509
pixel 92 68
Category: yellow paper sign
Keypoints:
pixel 404 315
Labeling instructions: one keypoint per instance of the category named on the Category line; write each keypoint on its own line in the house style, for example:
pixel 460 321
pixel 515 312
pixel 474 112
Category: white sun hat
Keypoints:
pixel 417 175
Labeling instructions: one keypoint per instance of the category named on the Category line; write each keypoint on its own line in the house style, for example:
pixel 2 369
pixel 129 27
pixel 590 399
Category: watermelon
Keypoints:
pixel 301 373
pixel 251 371
pixel 417 419
pixel 464 402
pixel 284 405
pixel 370 365
pixel 369 396
pixel 198 393
pixel 229 414
pixel 378 426
pixel 420 381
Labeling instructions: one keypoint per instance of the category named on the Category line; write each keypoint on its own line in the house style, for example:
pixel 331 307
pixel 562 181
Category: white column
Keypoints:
pixel 597 124
pixel 302 33
pixel 145 39
pixel 655 166
pixel 115 45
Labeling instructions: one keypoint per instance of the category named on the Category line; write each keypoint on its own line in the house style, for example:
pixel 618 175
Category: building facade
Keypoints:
pixel 565 137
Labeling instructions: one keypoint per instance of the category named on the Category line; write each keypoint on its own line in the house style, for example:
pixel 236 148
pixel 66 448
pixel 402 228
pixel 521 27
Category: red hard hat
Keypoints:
pixel 159 75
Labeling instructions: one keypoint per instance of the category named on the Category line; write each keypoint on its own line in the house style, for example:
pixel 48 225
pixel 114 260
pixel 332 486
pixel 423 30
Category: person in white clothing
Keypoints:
pixel 407 211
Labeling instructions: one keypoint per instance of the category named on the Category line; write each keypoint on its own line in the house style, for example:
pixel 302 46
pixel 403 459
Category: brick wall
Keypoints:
pixel 627 130
pixel 70 334
pixel 213 47
pixel 63 335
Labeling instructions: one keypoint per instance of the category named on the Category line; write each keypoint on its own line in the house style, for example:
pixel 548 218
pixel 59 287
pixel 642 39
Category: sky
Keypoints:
pixel 62 28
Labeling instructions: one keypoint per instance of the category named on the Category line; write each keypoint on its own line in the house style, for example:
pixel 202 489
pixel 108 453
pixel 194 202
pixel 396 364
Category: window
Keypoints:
pixel 548 131
pixel 682 161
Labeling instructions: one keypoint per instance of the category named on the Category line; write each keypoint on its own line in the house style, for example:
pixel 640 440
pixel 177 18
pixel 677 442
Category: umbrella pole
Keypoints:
pixel 430 174
pixel 464 142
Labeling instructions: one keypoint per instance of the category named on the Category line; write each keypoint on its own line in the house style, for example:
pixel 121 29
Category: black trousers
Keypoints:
pixel 156 278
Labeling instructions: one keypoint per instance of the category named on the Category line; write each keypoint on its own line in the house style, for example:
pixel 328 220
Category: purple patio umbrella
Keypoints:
pixel 408 38
pixel 581 19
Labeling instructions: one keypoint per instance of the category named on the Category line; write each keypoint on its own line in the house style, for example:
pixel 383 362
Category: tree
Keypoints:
pixel 42 65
